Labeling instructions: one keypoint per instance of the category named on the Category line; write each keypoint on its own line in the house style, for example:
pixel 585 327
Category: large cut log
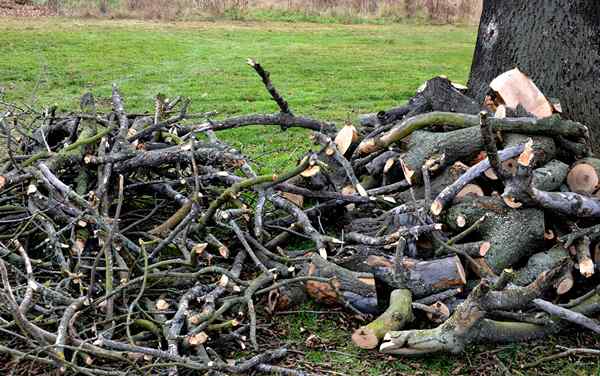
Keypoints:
pixel 550 126
pixel 469 324
pixel 550 176
pixel 398 314
pixel 356 288
pixel 442 95
pixel 513 234
pixel 437 94
pixel 447 147
pixel 542 262
pixel 422 278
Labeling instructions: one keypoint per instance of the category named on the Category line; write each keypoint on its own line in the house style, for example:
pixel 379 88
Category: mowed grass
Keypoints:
pixel 331 72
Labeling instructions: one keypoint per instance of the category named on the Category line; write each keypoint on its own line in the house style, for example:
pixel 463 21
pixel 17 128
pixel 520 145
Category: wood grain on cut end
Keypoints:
pixel 408 173
pixel 565 284
pixel 527 155
pixel 367 147
pixel 470 190
pixel 365 338
pixel 584 257
pixel 311 171
pixel 511 202
pixel 395 317
pixel 484 248
pixel 586 268
pixel 515 88
pixel 584 177
pixel 436 207
pixel 388 164
pixel 224 251
pixel 345 137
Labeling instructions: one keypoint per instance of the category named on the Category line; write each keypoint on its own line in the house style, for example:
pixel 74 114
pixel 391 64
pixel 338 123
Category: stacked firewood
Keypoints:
pixel 143 243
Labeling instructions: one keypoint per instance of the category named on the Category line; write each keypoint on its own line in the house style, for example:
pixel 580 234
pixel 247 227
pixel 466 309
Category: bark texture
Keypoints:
pixel 513 234
pixel 562 60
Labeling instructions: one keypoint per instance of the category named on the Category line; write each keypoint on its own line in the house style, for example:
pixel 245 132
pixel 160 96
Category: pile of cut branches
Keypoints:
pixel 141 243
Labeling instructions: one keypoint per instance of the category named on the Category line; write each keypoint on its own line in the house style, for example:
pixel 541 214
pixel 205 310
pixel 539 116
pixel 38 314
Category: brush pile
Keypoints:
pixel 141 243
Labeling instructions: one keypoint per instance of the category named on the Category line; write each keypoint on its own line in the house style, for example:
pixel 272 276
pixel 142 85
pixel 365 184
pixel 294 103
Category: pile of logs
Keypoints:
pixel 141 243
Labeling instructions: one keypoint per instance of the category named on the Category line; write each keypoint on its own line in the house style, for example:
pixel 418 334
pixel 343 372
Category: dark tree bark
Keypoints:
pixel 556 43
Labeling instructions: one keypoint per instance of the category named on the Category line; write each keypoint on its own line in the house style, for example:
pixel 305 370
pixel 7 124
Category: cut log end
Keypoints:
pixel 513 88
pixel 365 338
pixel 200 248
pixel 224 251
pixel 500 112
pixel 311 171
pixel 461 221
pixel 511 202
pixel 565 284
pixel 484 248
pixel 323 253
pixel 583 178
pixel 586 268
pixel 348 190
pixel 436 207
pixel 367 147
pixel 470 190
pixel 527 155
pixel 408 173
pixel 388 165
pixel 345 137
pixel 2 182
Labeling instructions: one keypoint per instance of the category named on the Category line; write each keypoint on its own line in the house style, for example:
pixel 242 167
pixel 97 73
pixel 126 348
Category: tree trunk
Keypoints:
pixel 556 43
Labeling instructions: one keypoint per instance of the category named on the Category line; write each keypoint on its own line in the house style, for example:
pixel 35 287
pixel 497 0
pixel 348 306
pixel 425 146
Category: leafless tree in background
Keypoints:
pixel 103 7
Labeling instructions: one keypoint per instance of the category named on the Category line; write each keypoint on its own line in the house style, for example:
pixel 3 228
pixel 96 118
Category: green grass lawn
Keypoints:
pixel 332 72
